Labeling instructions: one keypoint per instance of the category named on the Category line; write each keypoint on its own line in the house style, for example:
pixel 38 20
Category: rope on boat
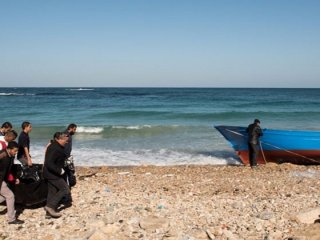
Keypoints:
pixel 283 149
pixel 297 154
pixel 264 158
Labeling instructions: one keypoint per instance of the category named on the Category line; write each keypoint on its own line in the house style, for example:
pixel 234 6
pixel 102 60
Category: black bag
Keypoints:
pixel 72 180
pixel 70 172
pixel 32 189
pixel 30 174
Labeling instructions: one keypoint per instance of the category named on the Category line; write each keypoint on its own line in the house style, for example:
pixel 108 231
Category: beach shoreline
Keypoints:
pixel 181 202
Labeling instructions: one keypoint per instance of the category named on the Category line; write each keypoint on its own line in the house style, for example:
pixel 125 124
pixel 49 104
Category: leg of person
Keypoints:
pixel 3 210
pixel 52 190
pixel 50 207
pixel 250 154
pixel 62 189
pixel 6 193
pixel 66 201
pixel 254 155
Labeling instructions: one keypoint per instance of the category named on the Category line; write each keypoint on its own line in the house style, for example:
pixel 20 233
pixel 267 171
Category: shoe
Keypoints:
pixel 64 206
pixel 52 212
pixel 16 221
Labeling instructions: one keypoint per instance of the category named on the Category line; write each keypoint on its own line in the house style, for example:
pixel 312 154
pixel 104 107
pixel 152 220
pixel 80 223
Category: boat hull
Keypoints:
pixel 279 146
pixel 278 156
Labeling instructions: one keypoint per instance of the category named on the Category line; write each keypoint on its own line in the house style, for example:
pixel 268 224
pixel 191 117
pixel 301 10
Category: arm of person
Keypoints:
pixel 260 132
pixel 29 160
pixel 2 155
pixel 51 164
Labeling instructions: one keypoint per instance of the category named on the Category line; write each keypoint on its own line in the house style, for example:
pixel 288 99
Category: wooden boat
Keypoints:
pixel 279 146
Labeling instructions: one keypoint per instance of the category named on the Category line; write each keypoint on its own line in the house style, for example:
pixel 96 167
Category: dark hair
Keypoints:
pixel 12 133
pixel 25 124
pixel 12 145
pixel 59 135
pixel 6 125
pixel 71 125
pixel 256 121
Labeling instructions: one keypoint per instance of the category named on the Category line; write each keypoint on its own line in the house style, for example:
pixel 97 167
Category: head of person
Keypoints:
pixel 10 136
pixel 257 121
pixel 6 126
pixel 72 128
pixel 12 148
pixel 26 127
pixel 61 137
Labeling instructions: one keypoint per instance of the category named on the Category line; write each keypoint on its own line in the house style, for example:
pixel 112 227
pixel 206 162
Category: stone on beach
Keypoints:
pixel 309 216
pixel 182 202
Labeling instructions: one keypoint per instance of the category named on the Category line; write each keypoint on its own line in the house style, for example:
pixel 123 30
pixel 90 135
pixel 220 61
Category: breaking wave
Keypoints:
pixel 16 94
pixel 80 89
pixel 90 129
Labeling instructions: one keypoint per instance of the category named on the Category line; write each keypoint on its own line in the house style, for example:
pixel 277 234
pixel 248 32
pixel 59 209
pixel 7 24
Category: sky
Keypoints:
pixel 164 43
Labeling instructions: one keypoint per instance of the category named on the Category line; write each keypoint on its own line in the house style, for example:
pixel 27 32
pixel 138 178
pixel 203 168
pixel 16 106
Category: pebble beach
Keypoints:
pixel 182 202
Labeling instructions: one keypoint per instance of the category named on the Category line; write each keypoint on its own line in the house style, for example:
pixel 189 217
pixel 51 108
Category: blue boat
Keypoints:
pixel 279 146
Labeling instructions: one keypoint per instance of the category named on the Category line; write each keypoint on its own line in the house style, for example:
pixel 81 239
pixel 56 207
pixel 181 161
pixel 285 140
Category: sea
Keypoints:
pixel 154 126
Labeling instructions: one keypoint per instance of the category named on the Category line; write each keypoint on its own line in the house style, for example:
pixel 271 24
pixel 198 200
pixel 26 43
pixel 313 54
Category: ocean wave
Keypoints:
pixel 137 127
pixel 80 89
pixel 96 130
pixel 16 94
pixel 118 131
pixel 112 131
pixel 161 157
pixel 243 114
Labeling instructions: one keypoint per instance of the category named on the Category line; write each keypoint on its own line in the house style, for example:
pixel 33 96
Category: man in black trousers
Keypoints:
pixel 53 172
pixel 254 133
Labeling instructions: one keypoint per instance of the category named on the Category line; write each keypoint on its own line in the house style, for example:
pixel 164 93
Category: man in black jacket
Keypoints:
pixel 53 172
pixel 254 133
pixel 6 160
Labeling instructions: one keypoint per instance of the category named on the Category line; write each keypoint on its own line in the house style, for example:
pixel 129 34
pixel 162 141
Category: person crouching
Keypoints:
pixel 53 173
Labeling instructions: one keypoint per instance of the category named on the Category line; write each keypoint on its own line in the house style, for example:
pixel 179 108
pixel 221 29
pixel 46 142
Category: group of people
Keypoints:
pixel 58 168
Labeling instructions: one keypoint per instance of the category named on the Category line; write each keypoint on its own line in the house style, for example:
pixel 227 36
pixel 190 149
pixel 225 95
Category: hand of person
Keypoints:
pixel 29 162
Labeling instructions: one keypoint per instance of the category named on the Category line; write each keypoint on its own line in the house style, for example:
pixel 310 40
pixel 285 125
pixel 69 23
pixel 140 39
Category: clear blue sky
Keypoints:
pixel 164 43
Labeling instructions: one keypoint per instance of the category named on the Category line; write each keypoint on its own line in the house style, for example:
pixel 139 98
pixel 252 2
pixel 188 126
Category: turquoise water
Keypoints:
pixel 162 126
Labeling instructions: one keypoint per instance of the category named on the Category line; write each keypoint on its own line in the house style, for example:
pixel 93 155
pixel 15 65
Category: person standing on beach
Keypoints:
pixel 6 126
pixel 53 170
pixel 24 144
pixel 69 166
pixel 70 131
pixel 6 161
pixel 254 133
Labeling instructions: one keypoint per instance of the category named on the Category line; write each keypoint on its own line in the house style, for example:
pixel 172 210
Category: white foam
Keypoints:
pixel 89 129
pixel 14 94
pixel 80 89
pixel 136 127
pixel 163 157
